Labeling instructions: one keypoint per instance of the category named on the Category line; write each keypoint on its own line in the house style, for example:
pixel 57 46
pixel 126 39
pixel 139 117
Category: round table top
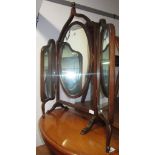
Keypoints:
pixel 61 130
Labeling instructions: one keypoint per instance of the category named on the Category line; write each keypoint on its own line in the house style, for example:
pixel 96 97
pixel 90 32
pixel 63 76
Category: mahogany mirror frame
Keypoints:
pixel 117 65
pixel 111 96
pixel 51 71
pixel 90 60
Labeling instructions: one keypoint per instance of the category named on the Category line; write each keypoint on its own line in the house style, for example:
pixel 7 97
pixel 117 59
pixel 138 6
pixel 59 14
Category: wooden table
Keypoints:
pixel 61 132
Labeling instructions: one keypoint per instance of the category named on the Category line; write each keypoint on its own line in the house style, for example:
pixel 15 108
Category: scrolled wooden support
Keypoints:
pixel 89 126
pixel 57 104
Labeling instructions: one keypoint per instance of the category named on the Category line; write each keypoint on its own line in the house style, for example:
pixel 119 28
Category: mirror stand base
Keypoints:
pixel 89 125
pixel 57 104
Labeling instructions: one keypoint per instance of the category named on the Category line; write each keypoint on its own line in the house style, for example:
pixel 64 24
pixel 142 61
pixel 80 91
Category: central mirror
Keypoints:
pixel 74 60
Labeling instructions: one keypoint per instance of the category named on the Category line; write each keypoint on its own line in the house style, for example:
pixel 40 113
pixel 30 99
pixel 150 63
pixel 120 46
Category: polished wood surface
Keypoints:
pixel 42 150
pixel 61 132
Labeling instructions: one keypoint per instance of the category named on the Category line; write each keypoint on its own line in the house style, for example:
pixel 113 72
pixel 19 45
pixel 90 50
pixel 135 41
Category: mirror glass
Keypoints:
pixel 105 62
pixel 47 76
pixel 74 61
pixel 48 80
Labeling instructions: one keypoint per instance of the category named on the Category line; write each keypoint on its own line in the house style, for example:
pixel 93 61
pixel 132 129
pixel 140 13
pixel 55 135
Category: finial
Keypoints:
pixel 73 4
pixel 73 11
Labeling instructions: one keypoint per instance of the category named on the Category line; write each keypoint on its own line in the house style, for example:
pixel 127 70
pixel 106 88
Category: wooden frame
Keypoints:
pixel 51 70
pixel 116 108
pixel 117 65
pixel 107 114
pixel 90 61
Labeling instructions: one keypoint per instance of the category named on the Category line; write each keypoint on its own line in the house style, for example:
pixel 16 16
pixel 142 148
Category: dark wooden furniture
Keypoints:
pixel 60 131
pixel 116 110
pixel 82 59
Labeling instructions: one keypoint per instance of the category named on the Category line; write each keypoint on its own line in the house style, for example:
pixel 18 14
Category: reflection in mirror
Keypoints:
pixel 74 60
pixel 71 69
pixel 105 62
pixel 47 76
pixel 103 102
pixel 48 71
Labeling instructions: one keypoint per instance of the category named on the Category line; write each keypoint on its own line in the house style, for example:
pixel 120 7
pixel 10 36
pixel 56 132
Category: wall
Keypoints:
pixel 51 20
pixel 38 5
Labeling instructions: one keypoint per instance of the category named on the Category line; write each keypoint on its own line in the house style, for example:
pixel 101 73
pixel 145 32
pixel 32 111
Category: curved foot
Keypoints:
pixel 107 149
pixel 65 107
pixel 89 126
pixel 57 104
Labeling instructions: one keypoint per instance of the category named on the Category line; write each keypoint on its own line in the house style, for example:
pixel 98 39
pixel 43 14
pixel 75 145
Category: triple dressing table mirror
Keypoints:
pixel 81 64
